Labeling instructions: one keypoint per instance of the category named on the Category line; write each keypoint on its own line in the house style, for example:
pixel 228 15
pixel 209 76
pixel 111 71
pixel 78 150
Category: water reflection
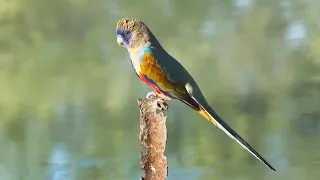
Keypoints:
pixel 60 167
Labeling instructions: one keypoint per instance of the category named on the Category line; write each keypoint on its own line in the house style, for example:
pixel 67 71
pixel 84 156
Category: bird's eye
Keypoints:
pixel 127 32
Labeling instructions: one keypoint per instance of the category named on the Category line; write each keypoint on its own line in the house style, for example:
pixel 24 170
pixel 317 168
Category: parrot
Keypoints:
pixel 167 77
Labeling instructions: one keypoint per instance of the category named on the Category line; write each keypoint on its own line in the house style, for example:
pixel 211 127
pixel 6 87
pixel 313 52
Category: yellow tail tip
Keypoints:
pixel 206 115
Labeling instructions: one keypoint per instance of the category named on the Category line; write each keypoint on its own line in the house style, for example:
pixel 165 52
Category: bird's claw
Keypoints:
pixel 162 105
pixel 161 100
pixel 152 95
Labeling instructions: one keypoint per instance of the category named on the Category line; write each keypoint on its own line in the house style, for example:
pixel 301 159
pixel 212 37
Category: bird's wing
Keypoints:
pixel 159 74
pixel 176 74
pixel 165 72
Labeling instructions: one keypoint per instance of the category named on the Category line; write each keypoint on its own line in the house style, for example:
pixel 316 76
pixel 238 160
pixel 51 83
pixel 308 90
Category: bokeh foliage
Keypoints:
pixel 68 95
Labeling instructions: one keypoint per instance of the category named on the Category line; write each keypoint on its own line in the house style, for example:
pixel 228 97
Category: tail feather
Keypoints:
pixel 213 117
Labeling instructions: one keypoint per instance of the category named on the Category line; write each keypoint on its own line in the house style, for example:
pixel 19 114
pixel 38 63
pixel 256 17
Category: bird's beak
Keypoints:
pixel 120 40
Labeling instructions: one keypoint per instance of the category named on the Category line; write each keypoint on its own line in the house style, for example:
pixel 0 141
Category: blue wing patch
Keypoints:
pixel 144 51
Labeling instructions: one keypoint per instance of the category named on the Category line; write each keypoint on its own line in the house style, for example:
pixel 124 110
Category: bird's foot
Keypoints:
pixel 155 95
pixel 152 95
pixel 161 104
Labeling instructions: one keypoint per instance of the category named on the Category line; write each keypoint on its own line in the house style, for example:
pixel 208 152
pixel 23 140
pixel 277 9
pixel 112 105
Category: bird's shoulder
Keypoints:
pixel 150 65
pixel 164 62
pixel 175 71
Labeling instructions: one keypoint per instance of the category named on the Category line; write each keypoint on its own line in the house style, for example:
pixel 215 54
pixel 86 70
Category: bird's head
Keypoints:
pixel 131 33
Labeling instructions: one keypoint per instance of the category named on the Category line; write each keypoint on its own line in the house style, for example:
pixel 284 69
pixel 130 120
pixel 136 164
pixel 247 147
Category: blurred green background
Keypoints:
pixel 68 108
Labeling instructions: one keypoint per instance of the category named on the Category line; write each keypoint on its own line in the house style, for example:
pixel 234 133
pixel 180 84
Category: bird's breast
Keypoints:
pixel 134 57
pixel 135 64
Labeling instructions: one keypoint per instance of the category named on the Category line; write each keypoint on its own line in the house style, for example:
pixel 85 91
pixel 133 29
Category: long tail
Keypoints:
pixel 213 117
